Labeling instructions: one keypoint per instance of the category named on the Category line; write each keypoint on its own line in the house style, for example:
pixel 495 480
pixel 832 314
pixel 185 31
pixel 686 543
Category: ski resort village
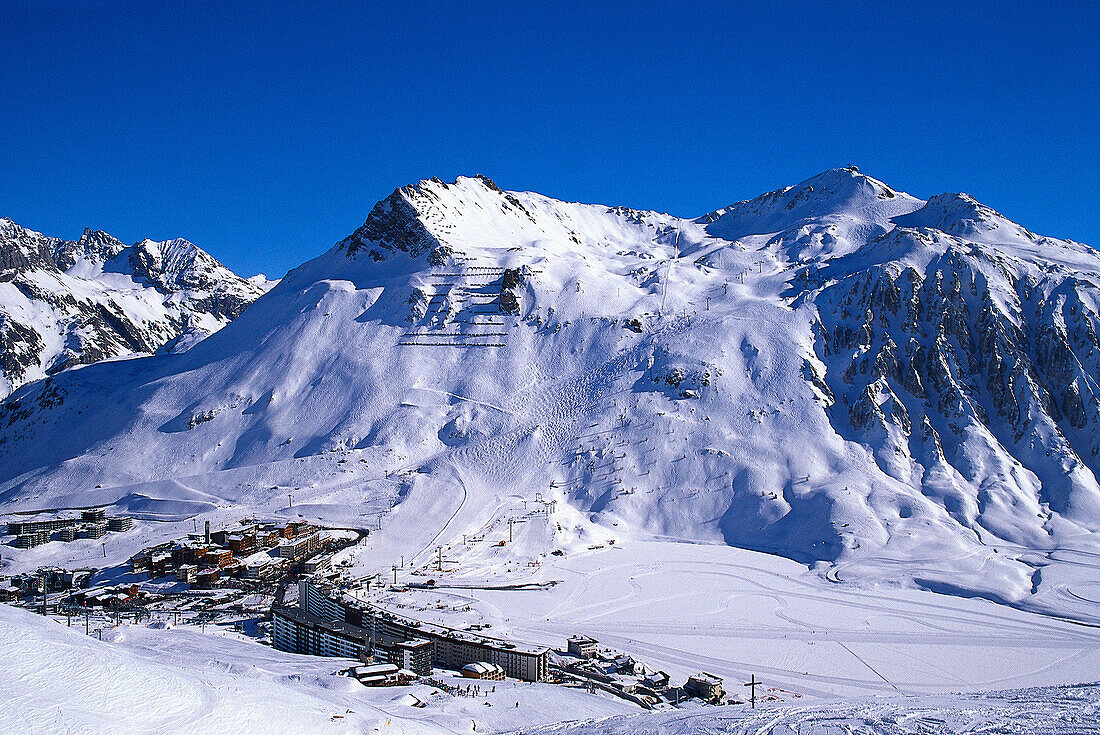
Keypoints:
pixel 288 584
pixel 821 461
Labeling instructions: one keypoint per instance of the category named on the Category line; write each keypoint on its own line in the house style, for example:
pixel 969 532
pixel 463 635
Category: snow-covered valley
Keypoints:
pixel 836 437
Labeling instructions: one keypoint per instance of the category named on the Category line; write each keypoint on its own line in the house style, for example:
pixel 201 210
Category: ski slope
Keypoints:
pixel 147 680
pixel 1047 711
pixel 156 680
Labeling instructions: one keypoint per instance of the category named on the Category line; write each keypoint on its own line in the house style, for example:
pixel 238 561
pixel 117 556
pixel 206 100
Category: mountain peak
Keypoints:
pixel 22 249
pixel 846 182
pixel 81 301
pixel 9 229
pixel 419 218
pixel 176 264
pixel 962 215
pixel 837 192
pixel 95 246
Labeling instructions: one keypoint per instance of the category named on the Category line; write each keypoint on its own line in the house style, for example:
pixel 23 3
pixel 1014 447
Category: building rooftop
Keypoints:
pixel 303 618
pixel 260 558
pixel 374 670
pixel 424 627
pixel 297 540
pixel 707 678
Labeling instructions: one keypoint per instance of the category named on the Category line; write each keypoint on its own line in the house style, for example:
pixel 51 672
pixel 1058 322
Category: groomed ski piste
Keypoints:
pixel 1050 711
pixel 139 679
pixel 643 441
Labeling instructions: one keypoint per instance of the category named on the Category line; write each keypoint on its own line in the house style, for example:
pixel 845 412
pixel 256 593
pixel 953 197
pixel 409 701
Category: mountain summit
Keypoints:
pixel 74 302
pixel 883 388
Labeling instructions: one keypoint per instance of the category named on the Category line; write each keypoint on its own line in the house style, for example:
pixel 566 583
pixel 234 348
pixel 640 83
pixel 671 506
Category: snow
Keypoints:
pixel 162 678
pixel 145 294
pixel 178 679
pixel 1061 710
pixel 664 384
pixel 751 457
pixel 55 679
pixel 685 608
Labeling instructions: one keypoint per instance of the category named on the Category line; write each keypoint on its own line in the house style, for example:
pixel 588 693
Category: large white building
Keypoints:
pixel 296 548
pixel 297 631
pixel 357 627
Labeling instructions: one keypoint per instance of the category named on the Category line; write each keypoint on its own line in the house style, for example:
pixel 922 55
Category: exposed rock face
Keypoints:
pixel 995 346
pixel 393 225
pixel 404 220
pixel 75 302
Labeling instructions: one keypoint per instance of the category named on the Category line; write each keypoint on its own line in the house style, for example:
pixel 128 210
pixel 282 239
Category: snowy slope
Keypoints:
pixel 1046 711
pixel 142 679
pixel 57 680
pixel 157 679
pixel 892 390
pixel 65 303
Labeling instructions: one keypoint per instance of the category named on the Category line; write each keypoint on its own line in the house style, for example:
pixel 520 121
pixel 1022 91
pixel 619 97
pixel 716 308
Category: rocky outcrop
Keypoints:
pixel 977 343
pixel 393 224
pixel 75 302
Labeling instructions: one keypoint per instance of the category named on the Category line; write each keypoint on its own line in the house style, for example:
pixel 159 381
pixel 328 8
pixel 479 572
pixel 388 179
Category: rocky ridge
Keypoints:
pixel 76 302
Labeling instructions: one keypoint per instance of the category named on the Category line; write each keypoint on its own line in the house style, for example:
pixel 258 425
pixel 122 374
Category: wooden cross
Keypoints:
pixel 752 688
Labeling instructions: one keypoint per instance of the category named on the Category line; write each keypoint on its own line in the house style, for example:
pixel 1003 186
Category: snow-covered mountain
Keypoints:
pixel 74 302
pixel 894 390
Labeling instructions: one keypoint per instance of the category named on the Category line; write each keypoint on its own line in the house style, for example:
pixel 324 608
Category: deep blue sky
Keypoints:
pixel 265 131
